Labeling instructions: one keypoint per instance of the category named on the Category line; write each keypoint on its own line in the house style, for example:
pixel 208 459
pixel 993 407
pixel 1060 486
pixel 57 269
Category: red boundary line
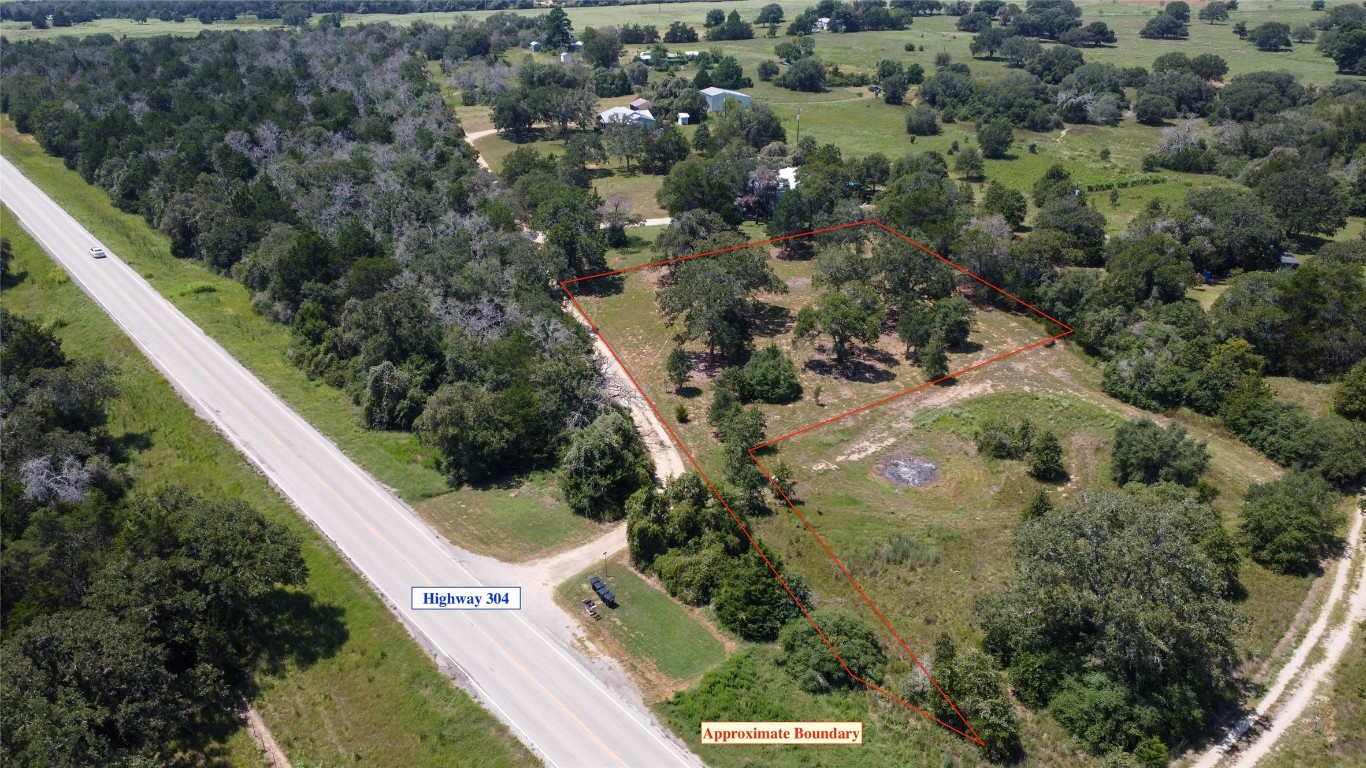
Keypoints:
pixel 971 734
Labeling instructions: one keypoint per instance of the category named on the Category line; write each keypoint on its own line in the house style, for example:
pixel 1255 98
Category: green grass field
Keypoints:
pixel 514 521
pixel 396 459
pixel 350 685
pixel 861 124
pixel 855 51
pixel 658 635
pixel 936 33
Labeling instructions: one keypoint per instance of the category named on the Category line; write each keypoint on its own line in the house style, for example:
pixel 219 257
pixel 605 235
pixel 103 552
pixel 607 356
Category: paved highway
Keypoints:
pixel 520 664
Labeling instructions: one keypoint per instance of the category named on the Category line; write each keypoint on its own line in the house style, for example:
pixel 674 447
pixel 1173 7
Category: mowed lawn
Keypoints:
pixel 515 520
pixel 656 632
pixel 342 681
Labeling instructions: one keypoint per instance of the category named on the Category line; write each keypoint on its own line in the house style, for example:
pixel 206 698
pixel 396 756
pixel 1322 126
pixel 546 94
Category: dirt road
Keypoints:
pixel 668 461
pixel 1257 734
pixel 470 138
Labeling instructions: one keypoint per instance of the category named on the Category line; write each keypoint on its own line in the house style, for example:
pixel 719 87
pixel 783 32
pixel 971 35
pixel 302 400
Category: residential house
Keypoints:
pixel 627 115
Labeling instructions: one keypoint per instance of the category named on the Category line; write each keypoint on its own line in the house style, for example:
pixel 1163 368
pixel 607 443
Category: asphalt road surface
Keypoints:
pixel 516 662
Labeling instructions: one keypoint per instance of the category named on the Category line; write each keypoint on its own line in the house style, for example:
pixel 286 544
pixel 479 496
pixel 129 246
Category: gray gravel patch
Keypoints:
pixel 908 471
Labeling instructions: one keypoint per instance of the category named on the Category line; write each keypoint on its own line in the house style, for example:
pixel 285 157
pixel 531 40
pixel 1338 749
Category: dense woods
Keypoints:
pixel 128 613
pixel 323 171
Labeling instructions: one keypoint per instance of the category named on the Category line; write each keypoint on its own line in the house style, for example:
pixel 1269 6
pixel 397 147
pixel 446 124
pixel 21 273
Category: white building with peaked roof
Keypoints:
pixel 717 98
pixel 627 115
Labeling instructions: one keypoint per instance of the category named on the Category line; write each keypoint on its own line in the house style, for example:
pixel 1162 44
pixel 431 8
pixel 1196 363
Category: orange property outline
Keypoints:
pixel 971 734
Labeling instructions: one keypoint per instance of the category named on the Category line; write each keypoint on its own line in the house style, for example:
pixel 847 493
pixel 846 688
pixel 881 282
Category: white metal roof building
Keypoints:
pixel 717 98
pixel 627 115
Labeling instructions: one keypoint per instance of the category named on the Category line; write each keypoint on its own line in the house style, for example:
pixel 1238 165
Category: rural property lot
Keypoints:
pixel 961 727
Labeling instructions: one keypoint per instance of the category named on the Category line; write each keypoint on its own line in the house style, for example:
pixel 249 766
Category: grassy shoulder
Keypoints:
pixel 222 307
pixel 662 643
pixel 513 521
pixel 367 692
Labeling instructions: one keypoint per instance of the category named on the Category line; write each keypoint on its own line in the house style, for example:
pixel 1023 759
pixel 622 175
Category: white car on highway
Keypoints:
pixel 97 253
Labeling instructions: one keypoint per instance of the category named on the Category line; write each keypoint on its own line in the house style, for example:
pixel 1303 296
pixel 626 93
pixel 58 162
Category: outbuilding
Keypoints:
pixel 717 98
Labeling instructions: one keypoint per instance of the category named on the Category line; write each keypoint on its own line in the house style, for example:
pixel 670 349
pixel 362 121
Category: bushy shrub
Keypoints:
pixel 1045 458
pixel 808 659
pixel 1147 453
pixel 1004 439
pixel 752 603
pixel 1290 524
pixel 769 377
pixel 920 121
pixel 1349 396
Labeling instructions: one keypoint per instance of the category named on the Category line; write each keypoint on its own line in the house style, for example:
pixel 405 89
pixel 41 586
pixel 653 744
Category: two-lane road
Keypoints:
pixel 525 672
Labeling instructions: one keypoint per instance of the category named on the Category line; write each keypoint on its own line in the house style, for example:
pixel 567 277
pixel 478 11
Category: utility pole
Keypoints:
pixel 799 125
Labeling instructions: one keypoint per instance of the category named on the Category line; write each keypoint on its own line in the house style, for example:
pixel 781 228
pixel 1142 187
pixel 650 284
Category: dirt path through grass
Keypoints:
pixel 551 571
pixel 1282 705
pixel 470 138
pixel 668 461
pixel 264 739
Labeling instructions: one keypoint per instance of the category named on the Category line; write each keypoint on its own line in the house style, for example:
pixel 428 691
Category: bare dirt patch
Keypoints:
pixel 865 448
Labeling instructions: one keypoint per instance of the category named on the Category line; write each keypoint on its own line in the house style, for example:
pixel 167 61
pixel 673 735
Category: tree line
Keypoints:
pixel 208 11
